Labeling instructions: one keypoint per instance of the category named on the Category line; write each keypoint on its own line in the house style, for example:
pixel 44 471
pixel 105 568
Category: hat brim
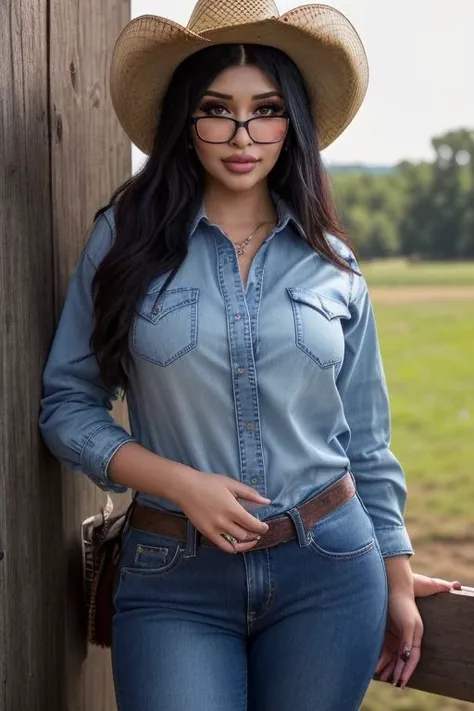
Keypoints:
pixel 319 39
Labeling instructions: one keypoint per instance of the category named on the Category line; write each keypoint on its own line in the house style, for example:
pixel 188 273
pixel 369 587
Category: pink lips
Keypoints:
pixel 240 164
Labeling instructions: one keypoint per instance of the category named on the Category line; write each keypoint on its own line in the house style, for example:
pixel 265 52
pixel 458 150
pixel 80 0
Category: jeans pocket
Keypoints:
pixel 344 534
pixel 144 558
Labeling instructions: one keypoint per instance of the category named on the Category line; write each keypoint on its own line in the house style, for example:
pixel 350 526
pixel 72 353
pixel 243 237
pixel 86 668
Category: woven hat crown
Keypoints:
pixel 213 14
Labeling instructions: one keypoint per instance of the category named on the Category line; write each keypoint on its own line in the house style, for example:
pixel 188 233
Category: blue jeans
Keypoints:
pixel 297 627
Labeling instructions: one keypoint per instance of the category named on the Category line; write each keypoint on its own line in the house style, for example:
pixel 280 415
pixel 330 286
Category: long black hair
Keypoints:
pixel 154 208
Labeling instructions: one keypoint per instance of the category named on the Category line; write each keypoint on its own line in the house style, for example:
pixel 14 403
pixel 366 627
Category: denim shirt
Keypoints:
pixel 279 384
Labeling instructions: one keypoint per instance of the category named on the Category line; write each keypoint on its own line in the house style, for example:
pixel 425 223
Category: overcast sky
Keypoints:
pixel 421 55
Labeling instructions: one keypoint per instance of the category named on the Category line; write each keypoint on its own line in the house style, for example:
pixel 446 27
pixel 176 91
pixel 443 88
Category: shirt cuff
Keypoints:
pixel 394 541
pixel 97 453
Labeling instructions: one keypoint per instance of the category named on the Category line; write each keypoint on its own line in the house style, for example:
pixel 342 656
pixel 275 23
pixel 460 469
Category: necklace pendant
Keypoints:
pixel 240 251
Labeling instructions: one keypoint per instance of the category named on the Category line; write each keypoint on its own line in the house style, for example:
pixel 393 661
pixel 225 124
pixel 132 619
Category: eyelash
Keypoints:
pixel 208 106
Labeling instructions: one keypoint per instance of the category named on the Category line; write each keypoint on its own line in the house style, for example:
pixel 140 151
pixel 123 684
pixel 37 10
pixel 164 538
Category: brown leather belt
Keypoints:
pixel 281 528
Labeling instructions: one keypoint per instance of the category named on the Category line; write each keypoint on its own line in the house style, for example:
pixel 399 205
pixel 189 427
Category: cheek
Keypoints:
pixel 272 154
pixel 208 155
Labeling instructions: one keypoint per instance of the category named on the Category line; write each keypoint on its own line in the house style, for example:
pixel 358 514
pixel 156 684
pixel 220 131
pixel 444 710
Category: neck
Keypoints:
pixel 239 209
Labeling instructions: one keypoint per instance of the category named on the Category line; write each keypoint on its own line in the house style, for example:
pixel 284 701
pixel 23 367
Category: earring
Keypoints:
pixel 190 146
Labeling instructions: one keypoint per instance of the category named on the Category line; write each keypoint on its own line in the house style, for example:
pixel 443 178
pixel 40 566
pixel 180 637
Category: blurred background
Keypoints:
pixel 403 175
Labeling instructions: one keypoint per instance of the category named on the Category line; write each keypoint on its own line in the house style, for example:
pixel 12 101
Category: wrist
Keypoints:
pixel 181 478
pixel 399 574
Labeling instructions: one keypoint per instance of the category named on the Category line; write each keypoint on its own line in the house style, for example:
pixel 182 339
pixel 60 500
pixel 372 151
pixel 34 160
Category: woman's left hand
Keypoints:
pixel 405 630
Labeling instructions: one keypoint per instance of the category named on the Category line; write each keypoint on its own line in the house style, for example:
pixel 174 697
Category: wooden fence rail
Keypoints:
pixel 447 663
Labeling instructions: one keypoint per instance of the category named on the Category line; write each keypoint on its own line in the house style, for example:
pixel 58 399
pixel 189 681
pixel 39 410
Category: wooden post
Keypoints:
pixel 61 155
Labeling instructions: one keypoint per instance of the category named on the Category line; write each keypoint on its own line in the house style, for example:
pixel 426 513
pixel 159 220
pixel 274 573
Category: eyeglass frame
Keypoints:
pixel 241 124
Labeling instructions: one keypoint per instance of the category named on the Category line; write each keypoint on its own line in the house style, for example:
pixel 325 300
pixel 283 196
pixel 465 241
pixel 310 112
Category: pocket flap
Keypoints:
pixel 324 304
pixel 154 307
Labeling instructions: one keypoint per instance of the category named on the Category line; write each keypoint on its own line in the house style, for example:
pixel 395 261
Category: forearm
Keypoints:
pixel 137 468
pixel 399 574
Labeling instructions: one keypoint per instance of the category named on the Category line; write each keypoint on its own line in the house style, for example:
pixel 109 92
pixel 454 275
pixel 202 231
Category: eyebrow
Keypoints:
pixel 229 97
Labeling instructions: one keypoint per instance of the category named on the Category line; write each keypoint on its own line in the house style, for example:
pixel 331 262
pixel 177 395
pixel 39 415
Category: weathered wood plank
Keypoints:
pixel 447 662
pixel 48 195
pixel 31 594
pixel 90 158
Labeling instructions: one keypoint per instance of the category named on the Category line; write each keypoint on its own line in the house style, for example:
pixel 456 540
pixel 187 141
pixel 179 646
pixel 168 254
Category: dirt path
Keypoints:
pixel 453 560
pixel 409 294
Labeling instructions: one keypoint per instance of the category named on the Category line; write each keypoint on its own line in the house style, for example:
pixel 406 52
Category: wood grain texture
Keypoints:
pixel 447 663
pixel 91 156
pixel 31 643
pixel 62 153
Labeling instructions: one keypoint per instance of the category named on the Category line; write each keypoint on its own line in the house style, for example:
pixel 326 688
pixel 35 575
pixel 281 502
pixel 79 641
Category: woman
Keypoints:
pixel 218 292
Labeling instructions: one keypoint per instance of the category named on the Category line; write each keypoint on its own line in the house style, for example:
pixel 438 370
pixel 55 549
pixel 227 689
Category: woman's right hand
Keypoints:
pixel 210 501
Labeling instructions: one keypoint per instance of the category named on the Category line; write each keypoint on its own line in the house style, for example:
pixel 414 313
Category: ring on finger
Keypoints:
pixel 406 654
pixel 230 539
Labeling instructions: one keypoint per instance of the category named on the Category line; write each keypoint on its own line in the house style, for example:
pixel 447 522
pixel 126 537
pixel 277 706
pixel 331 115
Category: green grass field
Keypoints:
pixel 428 352
pixel 397 272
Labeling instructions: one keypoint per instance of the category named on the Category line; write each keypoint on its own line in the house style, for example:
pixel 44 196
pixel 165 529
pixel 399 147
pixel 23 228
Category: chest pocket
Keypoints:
pixel 166 326
pixel 318 331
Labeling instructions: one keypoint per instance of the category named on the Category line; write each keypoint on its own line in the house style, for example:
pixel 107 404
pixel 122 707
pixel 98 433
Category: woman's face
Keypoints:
pixel 240 93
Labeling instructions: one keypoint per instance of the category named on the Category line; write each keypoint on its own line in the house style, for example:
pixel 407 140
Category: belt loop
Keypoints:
pixel 303 537
pixel 191 540
pixel 128 515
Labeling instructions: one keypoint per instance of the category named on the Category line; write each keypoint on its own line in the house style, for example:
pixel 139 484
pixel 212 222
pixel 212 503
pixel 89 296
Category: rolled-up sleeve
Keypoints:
pixel 75 420
pixel 361 382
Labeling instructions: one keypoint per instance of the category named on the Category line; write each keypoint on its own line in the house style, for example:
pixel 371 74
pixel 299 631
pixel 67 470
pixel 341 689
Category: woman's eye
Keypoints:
pixel 212 109
pixel 270 109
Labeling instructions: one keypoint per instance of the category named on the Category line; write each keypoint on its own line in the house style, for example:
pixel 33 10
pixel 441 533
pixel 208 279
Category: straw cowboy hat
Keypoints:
pixel 319 39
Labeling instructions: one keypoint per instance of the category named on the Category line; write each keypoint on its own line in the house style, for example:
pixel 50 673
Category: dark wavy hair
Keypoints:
pixel 155 208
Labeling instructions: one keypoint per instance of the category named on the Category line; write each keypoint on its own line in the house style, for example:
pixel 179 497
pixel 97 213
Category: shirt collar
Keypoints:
pixel 285 215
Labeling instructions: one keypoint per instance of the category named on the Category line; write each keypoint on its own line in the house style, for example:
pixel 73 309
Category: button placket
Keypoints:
pixel 239 324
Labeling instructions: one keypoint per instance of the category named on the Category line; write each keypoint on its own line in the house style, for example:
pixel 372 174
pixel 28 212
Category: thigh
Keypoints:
pixel 318 647
pixel 169 652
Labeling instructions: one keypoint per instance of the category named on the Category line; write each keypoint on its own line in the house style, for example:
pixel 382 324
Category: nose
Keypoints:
pixel 242 138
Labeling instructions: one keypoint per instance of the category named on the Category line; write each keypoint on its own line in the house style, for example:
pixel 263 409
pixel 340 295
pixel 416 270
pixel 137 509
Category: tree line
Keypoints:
pixel 417 210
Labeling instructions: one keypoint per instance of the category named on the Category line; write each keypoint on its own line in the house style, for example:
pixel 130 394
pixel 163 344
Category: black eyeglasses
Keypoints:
pixel 222 129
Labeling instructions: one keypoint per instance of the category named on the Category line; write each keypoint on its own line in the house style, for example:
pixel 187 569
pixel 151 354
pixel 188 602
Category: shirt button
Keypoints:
pixel 250 426
pixel 254 480
pixel 241 370
pixel 238 317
